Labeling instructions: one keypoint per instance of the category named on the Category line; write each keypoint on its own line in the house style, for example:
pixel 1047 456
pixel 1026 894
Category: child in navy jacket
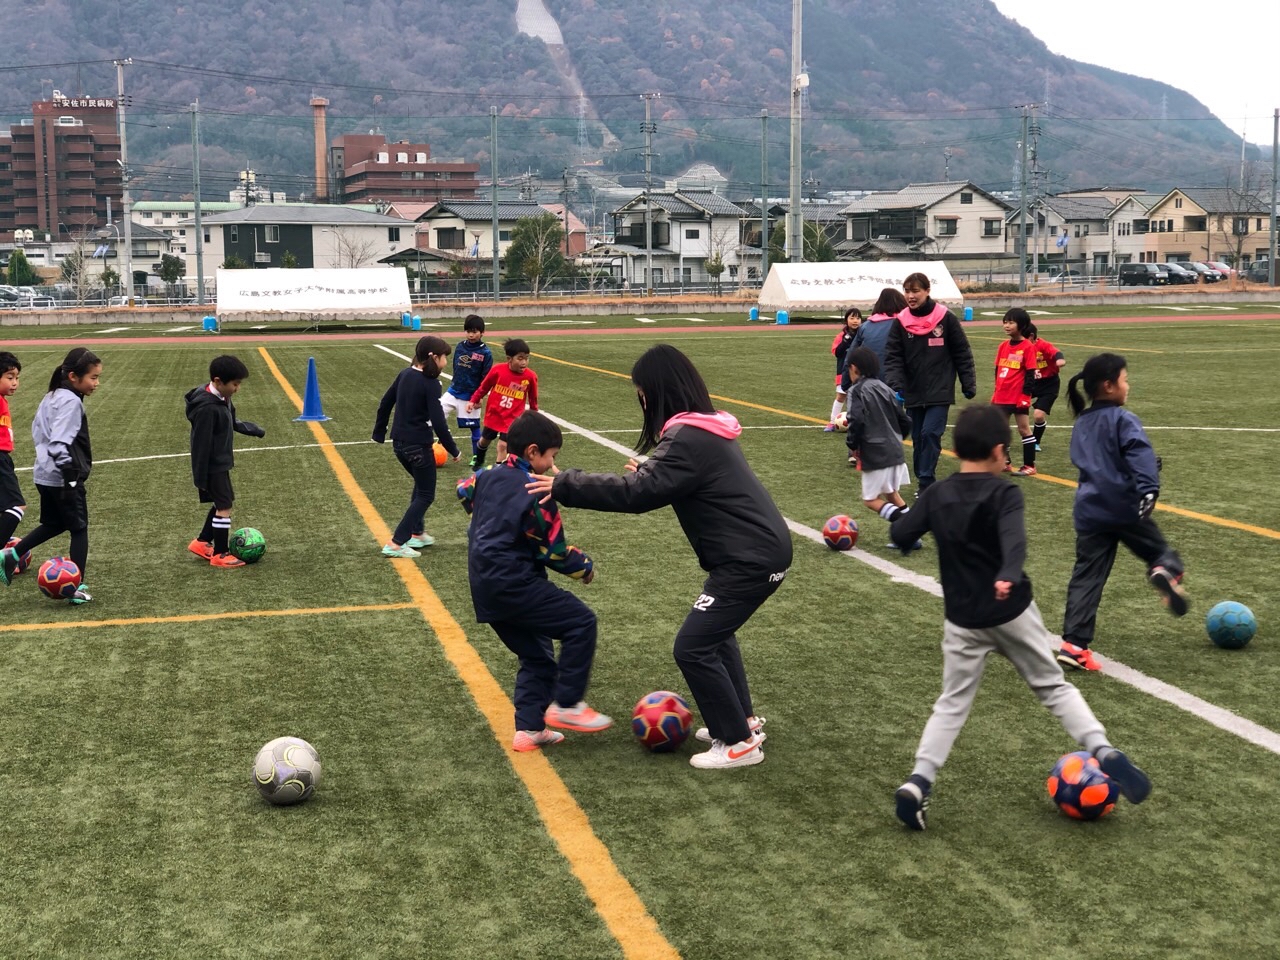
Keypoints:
pixel 512 542
pixel 1119 484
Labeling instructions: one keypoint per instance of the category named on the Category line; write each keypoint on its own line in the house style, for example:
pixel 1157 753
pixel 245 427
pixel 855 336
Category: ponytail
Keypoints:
pixel 80 360
pixel 422 354
pixel 1098 369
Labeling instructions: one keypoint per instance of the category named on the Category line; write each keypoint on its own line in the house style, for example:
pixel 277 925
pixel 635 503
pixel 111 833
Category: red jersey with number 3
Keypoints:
pixel 511 393
pixel 1013 360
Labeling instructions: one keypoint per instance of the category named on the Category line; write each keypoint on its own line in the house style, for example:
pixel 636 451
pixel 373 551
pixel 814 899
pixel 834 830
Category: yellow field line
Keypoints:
pixel 201 617
pixel 1046 477
pixel 566 822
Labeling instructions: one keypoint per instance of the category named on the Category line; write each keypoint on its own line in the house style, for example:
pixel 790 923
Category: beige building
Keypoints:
pixel 1208 223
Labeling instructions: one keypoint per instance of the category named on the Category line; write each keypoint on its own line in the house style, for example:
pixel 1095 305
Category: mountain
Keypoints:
pixel 900 90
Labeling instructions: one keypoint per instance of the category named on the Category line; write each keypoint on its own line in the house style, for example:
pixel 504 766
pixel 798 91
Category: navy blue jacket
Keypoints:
pixel 1117 467
pixel 416 400
pixel 874 335
pixel 471 361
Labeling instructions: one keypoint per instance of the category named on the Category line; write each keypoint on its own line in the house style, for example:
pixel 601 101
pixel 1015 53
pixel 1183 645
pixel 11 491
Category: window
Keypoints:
pixel 753 273
pixel 947 226
pixel 146 215
pixel 1177 202
pixel 686 275
pixel 235 234
pixel 450 238
pixel 271 233
pixel 966 198
pixel 207 237
pixel 1141 226
pixel 1077 230
pixel 504 236
pixel 1259 227
pixel 733 271
pixel 402 158
pixel 991 228
pixel 1168 225
pixel 692 234
pixel 1241 226
pixel 419 158
pixel 393 234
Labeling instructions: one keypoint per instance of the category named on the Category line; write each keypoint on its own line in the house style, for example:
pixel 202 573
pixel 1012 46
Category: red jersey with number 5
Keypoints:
pixel 511 392
pixel 1015 370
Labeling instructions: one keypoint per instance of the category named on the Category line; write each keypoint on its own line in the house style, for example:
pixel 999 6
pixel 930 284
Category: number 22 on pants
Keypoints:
pixel 703 602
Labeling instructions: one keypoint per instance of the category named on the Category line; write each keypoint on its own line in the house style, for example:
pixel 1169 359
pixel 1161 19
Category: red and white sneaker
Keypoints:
pixel 755 723
pixel 528 740
pixel 580 718
pixel 225 560
pixel 723 755
pixel 1026 470
pixel 1078 658
pixel 201 548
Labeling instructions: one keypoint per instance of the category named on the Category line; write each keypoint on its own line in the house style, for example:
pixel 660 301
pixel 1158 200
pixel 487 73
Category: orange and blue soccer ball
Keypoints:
pixel 840 532
pixel 58 578
pixel 661 721
pixel 1231 625
pixel 1080 788
pixel 24 561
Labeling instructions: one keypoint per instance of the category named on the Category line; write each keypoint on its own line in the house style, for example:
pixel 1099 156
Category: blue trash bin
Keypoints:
pixel 753 314
pixel 210 324
pixel 783 318
pixel 968 313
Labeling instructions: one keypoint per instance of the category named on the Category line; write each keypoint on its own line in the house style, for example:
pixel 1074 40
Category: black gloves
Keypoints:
pixel 251 429
pixel 970 394
pixel 1146 505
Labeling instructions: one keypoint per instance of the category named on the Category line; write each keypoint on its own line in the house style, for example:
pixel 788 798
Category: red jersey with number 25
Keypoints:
pixel 511 392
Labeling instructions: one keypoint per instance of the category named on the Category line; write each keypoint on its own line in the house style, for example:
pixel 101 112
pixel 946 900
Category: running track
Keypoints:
pixel 398 334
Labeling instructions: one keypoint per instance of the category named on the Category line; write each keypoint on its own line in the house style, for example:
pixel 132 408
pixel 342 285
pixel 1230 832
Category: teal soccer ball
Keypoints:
pixel 248 544
pixel 1231 625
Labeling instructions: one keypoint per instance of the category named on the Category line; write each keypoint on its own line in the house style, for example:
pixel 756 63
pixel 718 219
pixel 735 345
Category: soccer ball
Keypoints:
pixel 287 771
pixel 1231 625
pixel 24 561
pixel 1080 788
pixel 248 544
pixel 58 578
pixel 840 532
pixel 441 454
pixel 661 721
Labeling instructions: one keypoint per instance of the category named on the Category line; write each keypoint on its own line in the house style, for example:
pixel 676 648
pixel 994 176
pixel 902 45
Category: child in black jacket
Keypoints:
pixel 213 425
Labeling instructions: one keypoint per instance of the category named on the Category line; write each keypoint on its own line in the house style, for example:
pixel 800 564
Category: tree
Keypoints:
pixel 720 244
pixel 234 263
pixel 353 250
pixel 288 261
pixel 817 245
pixel 172 269
pixel 534 254
pixel 21 273
pixel 76 273
pixel 1241 203
pixel 109 278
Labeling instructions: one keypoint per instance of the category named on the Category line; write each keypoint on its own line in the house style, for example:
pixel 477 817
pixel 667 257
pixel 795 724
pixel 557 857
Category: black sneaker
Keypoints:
pixel 1170 587
pixel 1133 783
pixel 913 802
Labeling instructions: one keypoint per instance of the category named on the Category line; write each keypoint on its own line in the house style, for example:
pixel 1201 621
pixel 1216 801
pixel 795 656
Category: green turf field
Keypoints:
pixel 128 725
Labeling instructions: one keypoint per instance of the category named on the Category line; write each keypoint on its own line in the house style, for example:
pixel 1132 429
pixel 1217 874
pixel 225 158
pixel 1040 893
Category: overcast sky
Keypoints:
pixel 1225 55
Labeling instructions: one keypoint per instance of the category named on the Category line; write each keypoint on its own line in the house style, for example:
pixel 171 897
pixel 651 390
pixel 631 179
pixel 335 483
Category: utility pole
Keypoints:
pixel 564 195
pixel 195 192
pixel 493 193
pixel 126 212
pixel 764 195
pixel 799 80
pixel 1022 214
pixel 1033 132
pixel 1275 168
pixel 649 128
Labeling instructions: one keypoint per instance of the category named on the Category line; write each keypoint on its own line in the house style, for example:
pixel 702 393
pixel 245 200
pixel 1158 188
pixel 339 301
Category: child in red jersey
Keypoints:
pixel 1015 376
pixel 514 387
pixel 840 350
pixel 12 503
pixel 1047 385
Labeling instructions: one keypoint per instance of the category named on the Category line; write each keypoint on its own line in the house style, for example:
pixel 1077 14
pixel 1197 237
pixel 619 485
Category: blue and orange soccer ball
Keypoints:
pixel 661 721
pixel 58 578
pixel 1080 788
pixel 840 532
pixel 24 561
pixel 1231 625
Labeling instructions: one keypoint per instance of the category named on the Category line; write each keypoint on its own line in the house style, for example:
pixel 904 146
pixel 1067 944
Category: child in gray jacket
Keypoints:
pixel 876 426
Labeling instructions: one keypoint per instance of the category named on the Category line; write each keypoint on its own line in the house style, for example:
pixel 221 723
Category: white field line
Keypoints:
pixel 1219 717
pixel 239 450
pixel 114 330
pixel 179 329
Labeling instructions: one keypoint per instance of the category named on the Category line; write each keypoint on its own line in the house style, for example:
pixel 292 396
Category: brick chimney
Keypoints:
pixel 318 105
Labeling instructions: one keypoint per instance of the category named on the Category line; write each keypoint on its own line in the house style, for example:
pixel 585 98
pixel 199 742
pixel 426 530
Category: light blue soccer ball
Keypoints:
pixel 1231 625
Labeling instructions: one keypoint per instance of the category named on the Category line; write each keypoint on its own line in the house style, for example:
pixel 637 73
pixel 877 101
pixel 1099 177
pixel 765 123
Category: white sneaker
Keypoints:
pixel 723 755
pixel 755 723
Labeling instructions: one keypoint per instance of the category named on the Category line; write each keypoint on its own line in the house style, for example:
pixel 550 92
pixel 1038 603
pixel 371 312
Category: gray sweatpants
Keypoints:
pixel 1026 644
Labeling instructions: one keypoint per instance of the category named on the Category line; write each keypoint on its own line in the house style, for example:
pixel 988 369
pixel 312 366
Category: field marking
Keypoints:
pixel 200 617
pixel 187 455
pixel 114 330
pixel 615 900
pixel 179 329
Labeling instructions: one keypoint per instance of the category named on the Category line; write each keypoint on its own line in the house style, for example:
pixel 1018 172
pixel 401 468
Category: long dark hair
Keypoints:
pixel 422 354
pixel 1097 370
pixel 668 383
pixel 890 302
pixel 79 360
pixel 1019 316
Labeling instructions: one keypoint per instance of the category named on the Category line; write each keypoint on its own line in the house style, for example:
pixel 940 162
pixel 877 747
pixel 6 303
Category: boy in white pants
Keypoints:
pixel 976 517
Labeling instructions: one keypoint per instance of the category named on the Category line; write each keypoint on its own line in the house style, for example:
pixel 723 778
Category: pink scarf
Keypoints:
pixel 922 325
pixel 720 423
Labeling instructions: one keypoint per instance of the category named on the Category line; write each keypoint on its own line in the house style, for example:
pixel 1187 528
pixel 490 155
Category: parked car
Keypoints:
pixel 1177 274
pixel 1141 275
pixel 1226 271
pixel 1259 272
pixel 1203 271
pixel 1067 276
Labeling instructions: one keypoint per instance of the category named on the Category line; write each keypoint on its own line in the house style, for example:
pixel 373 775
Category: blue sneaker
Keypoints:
pixel 918 545
pixel 1133 783
pixel 80 596
pixel 8 564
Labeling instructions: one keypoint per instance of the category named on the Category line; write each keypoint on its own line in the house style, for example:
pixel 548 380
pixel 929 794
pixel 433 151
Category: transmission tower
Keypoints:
pixel 582 129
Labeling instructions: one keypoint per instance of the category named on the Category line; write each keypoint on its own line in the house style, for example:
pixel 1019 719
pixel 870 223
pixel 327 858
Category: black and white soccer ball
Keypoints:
pixel 287 771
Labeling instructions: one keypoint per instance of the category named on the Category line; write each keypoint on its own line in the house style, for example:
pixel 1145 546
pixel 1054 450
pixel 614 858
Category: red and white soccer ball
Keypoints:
pixel 840 532
pixel 661 721
pixel 58 578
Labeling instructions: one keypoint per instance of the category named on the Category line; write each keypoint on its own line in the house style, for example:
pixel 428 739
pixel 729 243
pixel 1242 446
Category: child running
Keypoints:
pixel 1119 484
pixel 1047 385
pixel 514 386
pixel 472 361
pixel 512 542
pixel 64 460
pixel 696 466
pixel 840 349
pixel 12 503
pixel 977 519
pixel 1015 378
pixel 877 425
pixel 415 396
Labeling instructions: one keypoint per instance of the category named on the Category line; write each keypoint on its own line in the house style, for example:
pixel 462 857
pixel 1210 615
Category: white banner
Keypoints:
pixel 374 293
pixel 835 286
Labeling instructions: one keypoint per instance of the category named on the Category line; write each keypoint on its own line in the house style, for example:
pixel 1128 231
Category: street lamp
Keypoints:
pixel 104 235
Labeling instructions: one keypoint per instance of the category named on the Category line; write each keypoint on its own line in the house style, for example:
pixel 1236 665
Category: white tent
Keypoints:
pixel 802 287
pixel 279 294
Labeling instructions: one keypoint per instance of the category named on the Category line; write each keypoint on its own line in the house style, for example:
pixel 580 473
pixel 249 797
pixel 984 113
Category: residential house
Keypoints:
pixel 1209 223
pixel 1130 221
pixel 465 227
pixel 1065 230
